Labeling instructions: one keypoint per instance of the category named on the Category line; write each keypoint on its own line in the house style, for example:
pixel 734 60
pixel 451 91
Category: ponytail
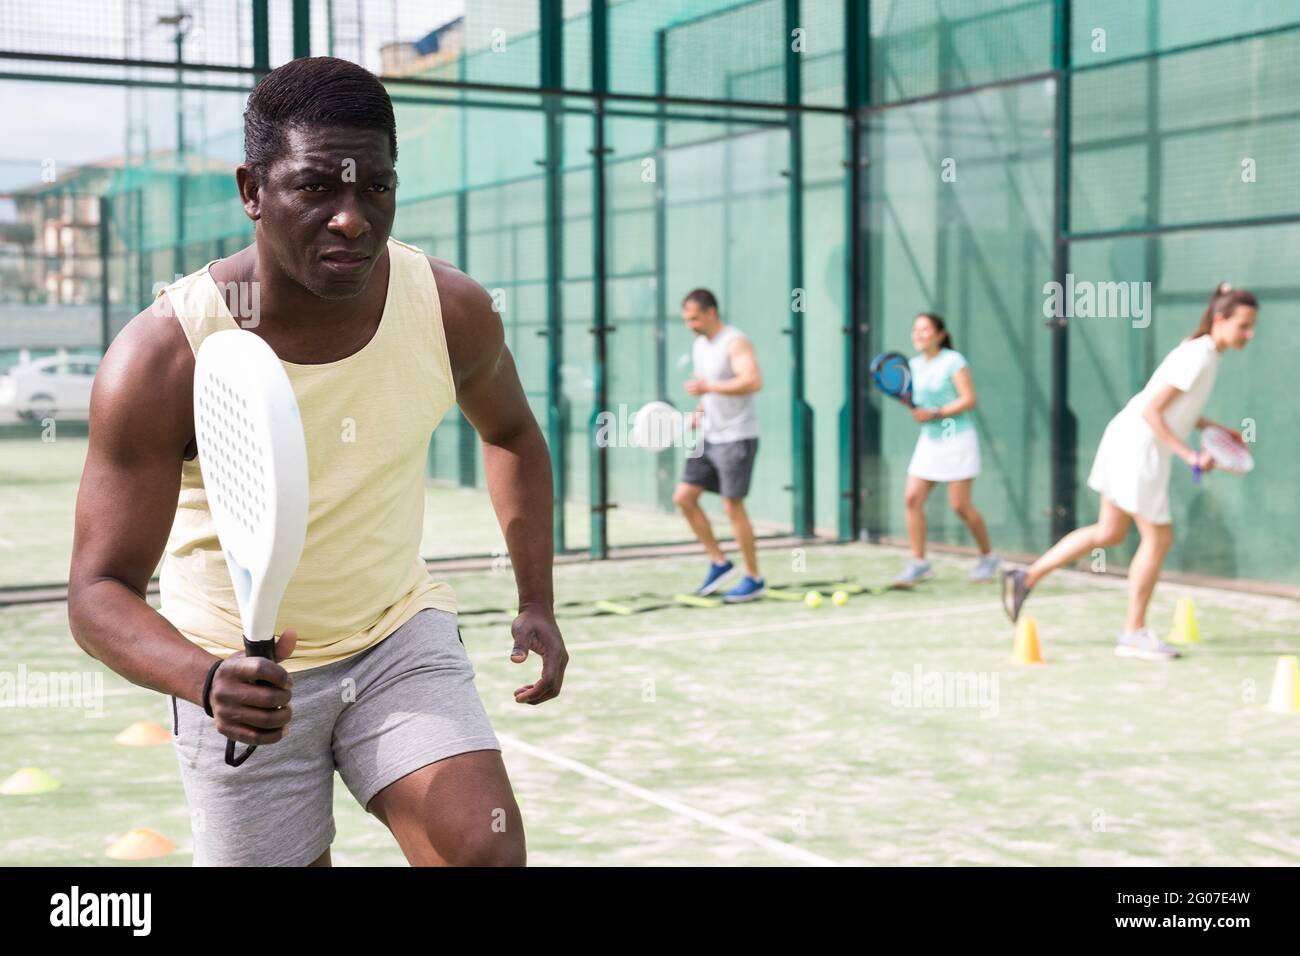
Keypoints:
pixel 940 327
pixel 1224 300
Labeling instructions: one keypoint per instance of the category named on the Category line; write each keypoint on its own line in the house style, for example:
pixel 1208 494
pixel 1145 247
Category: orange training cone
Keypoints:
pixel 141 844
pixel 1285 698
pixel 142 734
pixel 28 781
pixel 1027 649
pixel 1185 629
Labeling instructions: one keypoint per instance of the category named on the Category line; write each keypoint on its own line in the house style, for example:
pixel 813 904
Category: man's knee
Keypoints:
pixel 686 496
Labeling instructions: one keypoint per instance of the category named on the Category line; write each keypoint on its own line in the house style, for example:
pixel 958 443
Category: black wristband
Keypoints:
pixel 207 687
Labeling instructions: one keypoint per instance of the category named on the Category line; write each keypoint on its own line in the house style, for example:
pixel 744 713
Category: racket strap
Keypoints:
pixel 235 760
pixel 266 649
pixel 207 688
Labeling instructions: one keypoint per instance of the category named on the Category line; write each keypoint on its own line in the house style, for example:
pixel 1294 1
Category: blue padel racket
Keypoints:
pixel 893 376
pixel 253 457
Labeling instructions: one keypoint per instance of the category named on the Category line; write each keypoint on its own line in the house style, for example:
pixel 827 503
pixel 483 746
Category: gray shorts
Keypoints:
pixel 377 716
pixel 723 467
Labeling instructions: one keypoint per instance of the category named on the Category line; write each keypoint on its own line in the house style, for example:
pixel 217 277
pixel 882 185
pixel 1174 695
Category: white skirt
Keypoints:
pixel 954 458
pixel 1132 469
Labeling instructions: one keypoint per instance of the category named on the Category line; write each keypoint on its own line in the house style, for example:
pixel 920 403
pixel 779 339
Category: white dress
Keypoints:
pixel 949 449
pixel 1133 466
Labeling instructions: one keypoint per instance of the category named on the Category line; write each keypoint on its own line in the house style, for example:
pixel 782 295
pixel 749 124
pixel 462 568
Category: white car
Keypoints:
pixel 54 387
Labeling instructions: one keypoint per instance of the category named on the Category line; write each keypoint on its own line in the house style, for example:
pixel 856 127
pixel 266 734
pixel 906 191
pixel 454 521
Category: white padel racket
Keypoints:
pixel 253 458
pixel 657 425
pixel 1229 454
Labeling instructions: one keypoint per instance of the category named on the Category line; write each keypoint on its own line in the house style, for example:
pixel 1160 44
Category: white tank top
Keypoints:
pixel 726 417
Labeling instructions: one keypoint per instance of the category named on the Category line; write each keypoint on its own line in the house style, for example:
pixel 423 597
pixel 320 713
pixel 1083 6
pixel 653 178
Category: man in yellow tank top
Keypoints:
pixel 371 678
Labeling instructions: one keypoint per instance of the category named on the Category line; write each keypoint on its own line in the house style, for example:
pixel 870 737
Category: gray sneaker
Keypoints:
pixel 986 570
pixel 915 572
pixel 1144 645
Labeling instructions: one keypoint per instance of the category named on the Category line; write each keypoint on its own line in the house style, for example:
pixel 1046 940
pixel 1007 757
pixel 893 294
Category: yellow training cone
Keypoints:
pixel 141 844
pixel 1285 698
pixel 142 734
pixel 1185 630
pixel 1027 649
pixel 27 781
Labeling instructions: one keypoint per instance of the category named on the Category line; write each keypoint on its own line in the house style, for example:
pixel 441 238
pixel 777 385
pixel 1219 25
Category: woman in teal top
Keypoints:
pixel 948 448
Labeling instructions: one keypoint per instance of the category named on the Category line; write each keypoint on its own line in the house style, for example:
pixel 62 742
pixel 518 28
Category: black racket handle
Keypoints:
pixel 251 649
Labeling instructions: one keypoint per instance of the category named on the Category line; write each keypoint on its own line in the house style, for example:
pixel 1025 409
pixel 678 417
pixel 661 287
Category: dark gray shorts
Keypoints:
pixel 375 717
pixel 724 467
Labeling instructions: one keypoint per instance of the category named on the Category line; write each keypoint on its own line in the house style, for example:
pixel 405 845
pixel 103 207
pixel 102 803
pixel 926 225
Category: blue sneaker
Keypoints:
pixel 750 589
pixel 717 574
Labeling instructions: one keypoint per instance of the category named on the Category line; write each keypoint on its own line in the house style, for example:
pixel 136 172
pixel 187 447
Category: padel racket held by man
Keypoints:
pixel 253 457
pixel 893 375
pixel 657 425
pixel 1229 454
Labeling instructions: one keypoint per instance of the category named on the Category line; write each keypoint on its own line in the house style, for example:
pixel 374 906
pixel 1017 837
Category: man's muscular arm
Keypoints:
pixel 141 421
pixel 516 461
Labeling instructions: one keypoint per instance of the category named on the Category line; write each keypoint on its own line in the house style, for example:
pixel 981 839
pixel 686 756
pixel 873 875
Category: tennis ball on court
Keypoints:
pixel 840 598
pixel 813 599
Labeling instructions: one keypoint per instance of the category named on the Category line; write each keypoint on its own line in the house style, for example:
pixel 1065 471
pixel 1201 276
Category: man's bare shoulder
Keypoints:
pixel 145 381
pixel 469 319
pixel 458 290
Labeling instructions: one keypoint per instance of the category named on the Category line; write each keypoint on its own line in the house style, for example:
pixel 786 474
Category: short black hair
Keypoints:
pixel 703 298
pixel 313 91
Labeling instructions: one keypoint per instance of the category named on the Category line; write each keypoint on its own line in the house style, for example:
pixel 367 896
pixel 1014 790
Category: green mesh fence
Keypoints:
pixel 975 248
pixel 1002 143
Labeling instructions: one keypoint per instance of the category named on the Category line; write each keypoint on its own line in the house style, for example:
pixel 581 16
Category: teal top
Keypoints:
pixel 932 387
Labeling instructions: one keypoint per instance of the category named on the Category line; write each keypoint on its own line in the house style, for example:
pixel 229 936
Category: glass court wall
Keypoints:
pixel 828 167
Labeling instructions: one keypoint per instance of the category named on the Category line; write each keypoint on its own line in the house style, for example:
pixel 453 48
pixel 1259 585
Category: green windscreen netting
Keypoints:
pixel 1000 142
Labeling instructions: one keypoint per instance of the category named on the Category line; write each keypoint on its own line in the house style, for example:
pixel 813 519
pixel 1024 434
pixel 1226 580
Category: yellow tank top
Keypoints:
pixel 368 419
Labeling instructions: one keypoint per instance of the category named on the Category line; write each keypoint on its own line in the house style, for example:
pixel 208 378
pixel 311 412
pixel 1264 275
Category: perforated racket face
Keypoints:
pixel 235 462
pixel 1229 454
pixel 892 374
pixel 253 457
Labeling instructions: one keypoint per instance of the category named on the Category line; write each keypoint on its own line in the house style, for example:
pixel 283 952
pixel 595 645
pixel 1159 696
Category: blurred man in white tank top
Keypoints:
pixel 726 379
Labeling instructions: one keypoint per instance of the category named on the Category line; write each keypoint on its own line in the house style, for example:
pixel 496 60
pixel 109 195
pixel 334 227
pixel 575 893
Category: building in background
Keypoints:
pixel 436 48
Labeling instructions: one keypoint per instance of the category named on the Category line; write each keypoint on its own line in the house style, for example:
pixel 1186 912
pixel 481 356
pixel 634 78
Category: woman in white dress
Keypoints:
pixel 948 448
pixel 1133 465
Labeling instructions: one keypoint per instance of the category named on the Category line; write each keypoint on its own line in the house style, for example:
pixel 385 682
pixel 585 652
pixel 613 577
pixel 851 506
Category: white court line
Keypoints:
pixel 669 803
pixel 829 620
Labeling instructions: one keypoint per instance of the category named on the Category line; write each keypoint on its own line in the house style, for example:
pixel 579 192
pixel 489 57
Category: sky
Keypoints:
pixel 76 122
